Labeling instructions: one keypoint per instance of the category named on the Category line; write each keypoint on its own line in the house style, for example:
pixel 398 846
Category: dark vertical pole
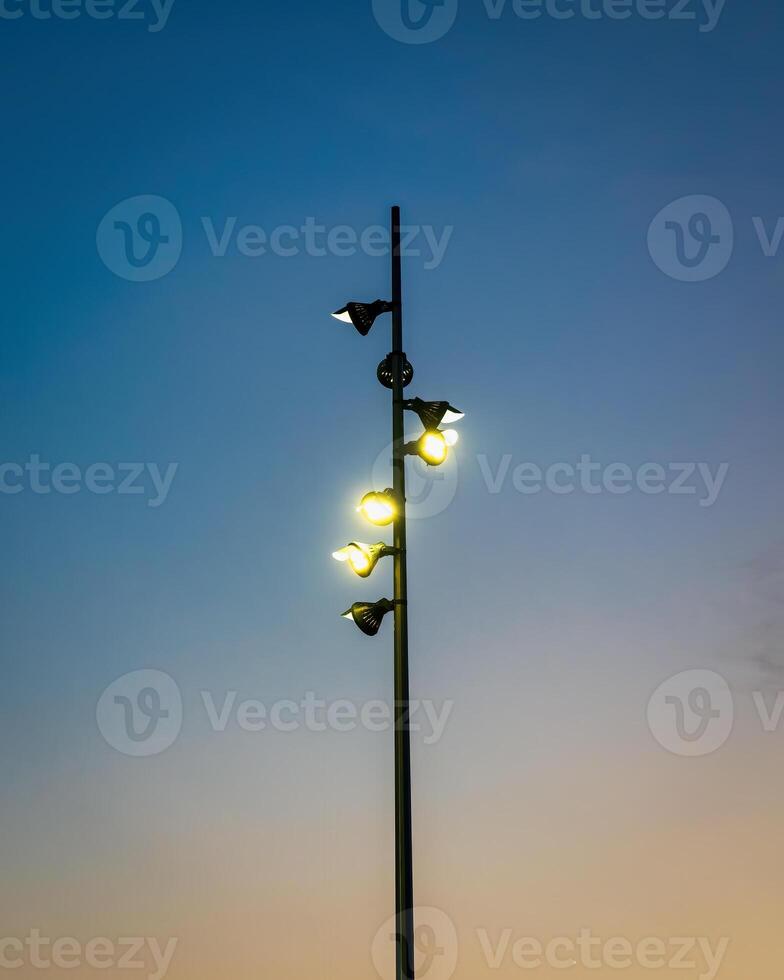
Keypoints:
pixel 404 883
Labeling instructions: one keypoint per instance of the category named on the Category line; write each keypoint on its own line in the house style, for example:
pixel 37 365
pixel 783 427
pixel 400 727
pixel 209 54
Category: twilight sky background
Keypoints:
pixel 548 147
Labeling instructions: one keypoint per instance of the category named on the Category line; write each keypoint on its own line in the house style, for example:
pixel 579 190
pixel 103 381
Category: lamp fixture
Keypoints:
pixel 363 558
pixel 433 414
pixel 379 507
pixel 369 615
pixel 363 315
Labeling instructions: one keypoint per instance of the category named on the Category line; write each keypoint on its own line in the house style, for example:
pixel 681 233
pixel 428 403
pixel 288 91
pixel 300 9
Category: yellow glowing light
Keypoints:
pixel 358 559
pixel 377 508
pixel 451 437
pixel 433 448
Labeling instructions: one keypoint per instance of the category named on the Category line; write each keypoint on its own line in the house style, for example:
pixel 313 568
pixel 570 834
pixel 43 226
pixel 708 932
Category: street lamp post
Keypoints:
pixel 389 507
pixel 404 872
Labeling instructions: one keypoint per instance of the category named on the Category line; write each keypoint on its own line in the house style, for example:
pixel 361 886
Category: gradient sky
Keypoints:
pixel 548 806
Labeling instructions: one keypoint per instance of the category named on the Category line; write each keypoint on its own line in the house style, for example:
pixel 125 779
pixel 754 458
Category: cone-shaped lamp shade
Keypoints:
pixel 369 615
pixel 380 508
pixel 363 558
pixel 432 414
pixel 362 315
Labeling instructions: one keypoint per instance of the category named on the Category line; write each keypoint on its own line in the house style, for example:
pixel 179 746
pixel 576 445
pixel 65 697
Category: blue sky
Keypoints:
pixel 545 149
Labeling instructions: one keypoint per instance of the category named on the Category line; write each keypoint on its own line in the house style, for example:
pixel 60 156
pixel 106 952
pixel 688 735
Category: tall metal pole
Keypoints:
pixel 404 875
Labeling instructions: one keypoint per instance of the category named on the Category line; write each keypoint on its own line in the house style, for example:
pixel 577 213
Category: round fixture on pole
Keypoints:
pixel 432 446
pixel 379 507
pixel 386 372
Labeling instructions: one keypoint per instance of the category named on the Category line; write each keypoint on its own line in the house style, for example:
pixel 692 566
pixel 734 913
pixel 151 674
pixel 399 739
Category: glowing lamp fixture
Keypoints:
pixel 369 615
pixel 363 558
pixel 380 508
pixel 363 315
pixel 432 446
pixel 433 414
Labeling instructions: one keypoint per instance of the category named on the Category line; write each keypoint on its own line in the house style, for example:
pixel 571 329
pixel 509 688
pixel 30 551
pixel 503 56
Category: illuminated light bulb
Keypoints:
pixel 359 560
pixel 433 448
pixel 379 508
pixel 363 558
